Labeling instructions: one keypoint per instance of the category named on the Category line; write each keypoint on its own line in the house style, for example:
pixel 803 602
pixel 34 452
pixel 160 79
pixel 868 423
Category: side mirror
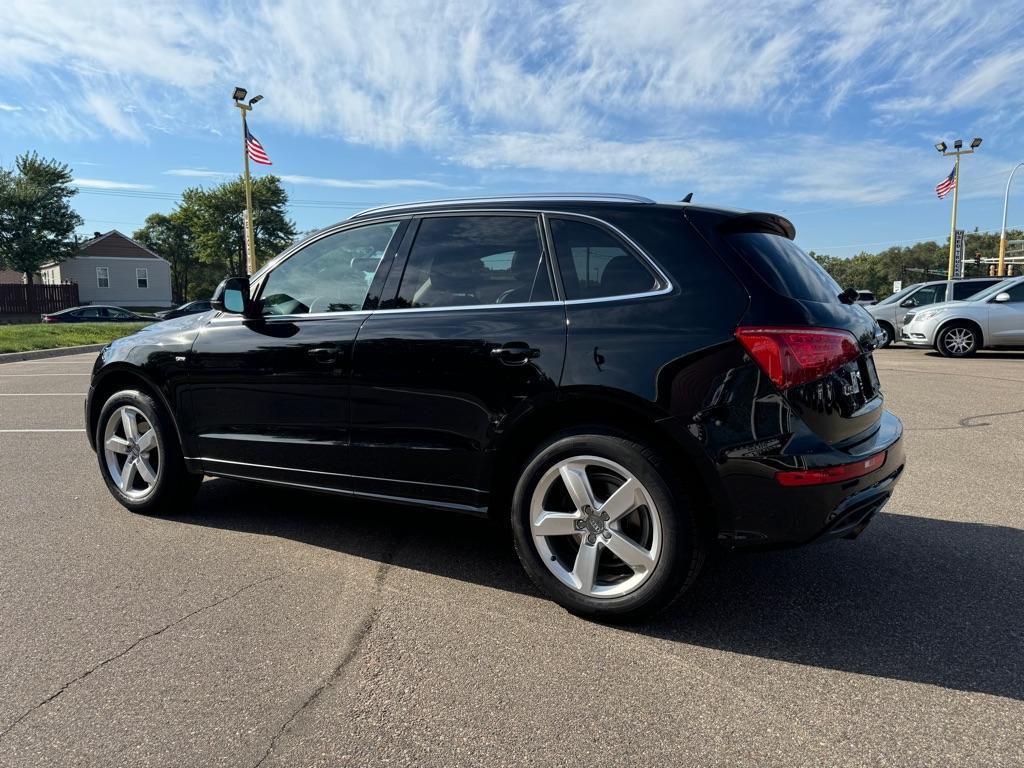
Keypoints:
pixel 232 295
pixel 1001 297
pixel 908 303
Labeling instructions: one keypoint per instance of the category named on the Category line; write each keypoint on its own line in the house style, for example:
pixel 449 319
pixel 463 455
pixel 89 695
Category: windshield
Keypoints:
pixel 992 290
pixel 899 294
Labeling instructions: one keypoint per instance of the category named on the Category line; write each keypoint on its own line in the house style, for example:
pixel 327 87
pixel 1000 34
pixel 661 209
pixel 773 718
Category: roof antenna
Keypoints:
pixel 688 198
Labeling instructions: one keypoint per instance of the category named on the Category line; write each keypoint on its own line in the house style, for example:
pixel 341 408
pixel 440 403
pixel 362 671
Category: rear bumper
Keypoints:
pixel 767 515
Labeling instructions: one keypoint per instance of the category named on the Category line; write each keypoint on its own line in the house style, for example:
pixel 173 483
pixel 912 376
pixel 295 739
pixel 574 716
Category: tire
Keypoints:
pixel 667 548
pixel 890 334
pixel 157 483
pixel 958 340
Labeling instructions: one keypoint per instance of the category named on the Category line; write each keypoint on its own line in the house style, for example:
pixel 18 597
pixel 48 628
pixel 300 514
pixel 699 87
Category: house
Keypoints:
pixel 11 276
pixel 113 269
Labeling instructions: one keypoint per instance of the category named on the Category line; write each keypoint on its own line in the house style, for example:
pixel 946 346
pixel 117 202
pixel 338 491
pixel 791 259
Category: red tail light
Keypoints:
pixel 823 475
pixel 47 319
pixel 792 356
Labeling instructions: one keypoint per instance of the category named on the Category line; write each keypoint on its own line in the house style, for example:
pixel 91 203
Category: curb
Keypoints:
pixel 35 354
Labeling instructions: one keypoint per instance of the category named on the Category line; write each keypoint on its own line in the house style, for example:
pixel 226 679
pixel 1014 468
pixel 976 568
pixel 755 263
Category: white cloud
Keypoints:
pixel 319 181
pixel 665 90
pixel 199 173
pixel 108 184
pixel 9 107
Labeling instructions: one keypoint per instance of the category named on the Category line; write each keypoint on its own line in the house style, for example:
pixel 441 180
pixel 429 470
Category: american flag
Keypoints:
pixel 256 151
pixel 943 187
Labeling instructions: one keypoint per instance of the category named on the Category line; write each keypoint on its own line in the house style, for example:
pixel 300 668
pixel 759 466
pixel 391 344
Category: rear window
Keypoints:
pixel 786 268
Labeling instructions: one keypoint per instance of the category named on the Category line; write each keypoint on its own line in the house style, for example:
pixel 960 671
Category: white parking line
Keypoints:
pixel 9 431
pixel 42 394
pixel 10 375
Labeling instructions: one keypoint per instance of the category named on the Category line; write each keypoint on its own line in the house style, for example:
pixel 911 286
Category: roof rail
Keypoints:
pixel 587 197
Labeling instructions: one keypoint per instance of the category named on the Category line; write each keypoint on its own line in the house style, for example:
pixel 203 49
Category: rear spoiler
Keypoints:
pixel 769 223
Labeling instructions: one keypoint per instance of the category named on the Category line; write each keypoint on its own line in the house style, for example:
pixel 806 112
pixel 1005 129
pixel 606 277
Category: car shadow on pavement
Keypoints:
pixel 917 599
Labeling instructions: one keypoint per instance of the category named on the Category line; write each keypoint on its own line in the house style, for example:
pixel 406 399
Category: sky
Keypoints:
pixel 826 112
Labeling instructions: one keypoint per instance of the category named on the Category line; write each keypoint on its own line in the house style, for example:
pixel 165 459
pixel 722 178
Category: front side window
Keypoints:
pixel 593 264
pixel 930 294
pixel 1016 294
pixel 459 261
pixel 102 277
pixel 142 277
pixel 332 274
pixel 93 313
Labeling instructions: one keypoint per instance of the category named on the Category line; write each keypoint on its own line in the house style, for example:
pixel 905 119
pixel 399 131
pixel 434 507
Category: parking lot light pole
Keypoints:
pixel 957 151
pixel 1001 270
pixel 250 235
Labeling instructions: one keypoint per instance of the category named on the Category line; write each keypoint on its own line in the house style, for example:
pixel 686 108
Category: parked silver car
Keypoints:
pixel 889 312
pixel 992 318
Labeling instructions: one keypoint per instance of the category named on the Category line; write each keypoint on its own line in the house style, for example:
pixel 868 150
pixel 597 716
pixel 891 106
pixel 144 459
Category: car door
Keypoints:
pixel 269 394
pixel 1006 318
pixel 468 339
pixel 931 293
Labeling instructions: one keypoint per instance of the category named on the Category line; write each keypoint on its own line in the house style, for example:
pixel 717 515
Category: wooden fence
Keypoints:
pixel 18 299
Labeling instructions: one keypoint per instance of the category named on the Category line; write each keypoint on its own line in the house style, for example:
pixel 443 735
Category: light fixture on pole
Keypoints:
pixel 250 238
pixel 1001 268
pixel 957 151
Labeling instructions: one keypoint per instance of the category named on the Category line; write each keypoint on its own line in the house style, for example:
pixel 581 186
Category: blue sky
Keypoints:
pixel 824 111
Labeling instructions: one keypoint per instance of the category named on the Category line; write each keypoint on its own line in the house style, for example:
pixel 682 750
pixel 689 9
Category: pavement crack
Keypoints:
pixel 349 656
pixel 125 651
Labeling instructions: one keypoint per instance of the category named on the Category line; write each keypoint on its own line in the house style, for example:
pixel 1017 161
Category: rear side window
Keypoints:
pixel 593 264
pixel 459 261
pixel 963 290
pixel 785 267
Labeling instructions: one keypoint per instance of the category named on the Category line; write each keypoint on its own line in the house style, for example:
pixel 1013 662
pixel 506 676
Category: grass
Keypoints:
pixel 23 338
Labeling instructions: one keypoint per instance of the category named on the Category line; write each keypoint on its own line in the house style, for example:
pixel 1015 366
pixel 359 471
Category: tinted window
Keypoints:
pixel 594 264
pixel 1016 293
pixel 468 260
pixel 92 312
pixel 785 267
pixel 332 274
pixel 930 294
pixel 963 290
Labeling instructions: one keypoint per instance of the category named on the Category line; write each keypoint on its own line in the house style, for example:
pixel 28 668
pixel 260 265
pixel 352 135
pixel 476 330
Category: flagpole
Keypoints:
pixel 250 235
pixel 957 151
pixel 952 230
pixel 250 240
pixel 1001 272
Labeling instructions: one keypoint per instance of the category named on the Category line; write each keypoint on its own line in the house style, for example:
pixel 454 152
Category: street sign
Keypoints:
pixel 897 286
pixel 958 254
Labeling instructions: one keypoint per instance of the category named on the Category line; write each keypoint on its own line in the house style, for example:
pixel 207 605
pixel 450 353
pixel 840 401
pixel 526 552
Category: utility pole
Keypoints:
pixel 957 151
pixel 250 235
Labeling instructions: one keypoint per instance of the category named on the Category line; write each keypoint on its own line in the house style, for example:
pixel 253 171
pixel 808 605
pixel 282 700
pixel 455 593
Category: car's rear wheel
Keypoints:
pixel 139 455
pixel 958 340
pixel 888 334
pixel 603 528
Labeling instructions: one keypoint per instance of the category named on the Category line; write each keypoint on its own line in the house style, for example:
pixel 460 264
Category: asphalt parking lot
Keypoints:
pixel 265 627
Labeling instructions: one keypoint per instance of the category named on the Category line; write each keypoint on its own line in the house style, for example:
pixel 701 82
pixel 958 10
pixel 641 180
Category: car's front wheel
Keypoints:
pixel 958 340
pixel 888 335
pixel 139 455
pixel 602 526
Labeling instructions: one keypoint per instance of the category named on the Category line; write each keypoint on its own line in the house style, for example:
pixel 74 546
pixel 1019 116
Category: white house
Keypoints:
pixel 114 269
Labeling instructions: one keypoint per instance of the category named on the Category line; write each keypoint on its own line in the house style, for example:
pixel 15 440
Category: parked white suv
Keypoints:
pixel 890 311
pixel 992 318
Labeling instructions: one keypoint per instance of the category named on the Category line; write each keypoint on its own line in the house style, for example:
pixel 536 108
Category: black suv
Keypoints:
pixel 626 382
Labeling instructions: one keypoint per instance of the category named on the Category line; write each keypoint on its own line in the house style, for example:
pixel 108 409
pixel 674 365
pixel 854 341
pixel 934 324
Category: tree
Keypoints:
pixel 37 222
pixel 170 237
pixel 216 219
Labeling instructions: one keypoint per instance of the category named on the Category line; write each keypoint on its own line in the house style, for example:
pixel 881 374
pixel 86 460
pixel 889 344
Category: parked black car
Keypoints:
pixel 95 313
pixel 191 308
pixel 625 382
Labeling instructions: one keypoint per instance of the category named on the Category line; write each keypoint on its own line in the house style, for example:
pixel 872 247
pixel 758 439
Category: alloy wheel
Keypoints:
pixel 595 526
pixel 958 340
pixel 131 452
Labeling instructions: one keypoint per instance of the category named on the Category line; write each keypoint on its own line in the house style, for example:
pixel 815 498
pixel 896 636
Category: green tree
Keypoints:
pixel 169 236
pixel 37 222
pixel 216 219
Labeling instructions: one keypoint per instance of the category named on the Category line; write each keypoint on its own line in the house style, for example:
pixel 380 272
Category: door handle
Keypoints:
pixel 515 353
pixel 325 355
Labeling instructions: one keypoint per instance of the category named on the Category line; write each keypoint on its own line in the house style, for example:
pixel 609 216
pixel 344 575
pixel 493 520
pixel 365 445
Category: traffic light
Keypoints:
pixel 977 258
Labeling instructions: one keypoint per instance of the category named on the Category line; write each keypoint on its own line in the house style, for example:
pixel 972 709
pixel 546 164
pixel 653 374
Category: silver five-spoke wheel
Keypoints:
pixel 131 451
pixel 595 526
